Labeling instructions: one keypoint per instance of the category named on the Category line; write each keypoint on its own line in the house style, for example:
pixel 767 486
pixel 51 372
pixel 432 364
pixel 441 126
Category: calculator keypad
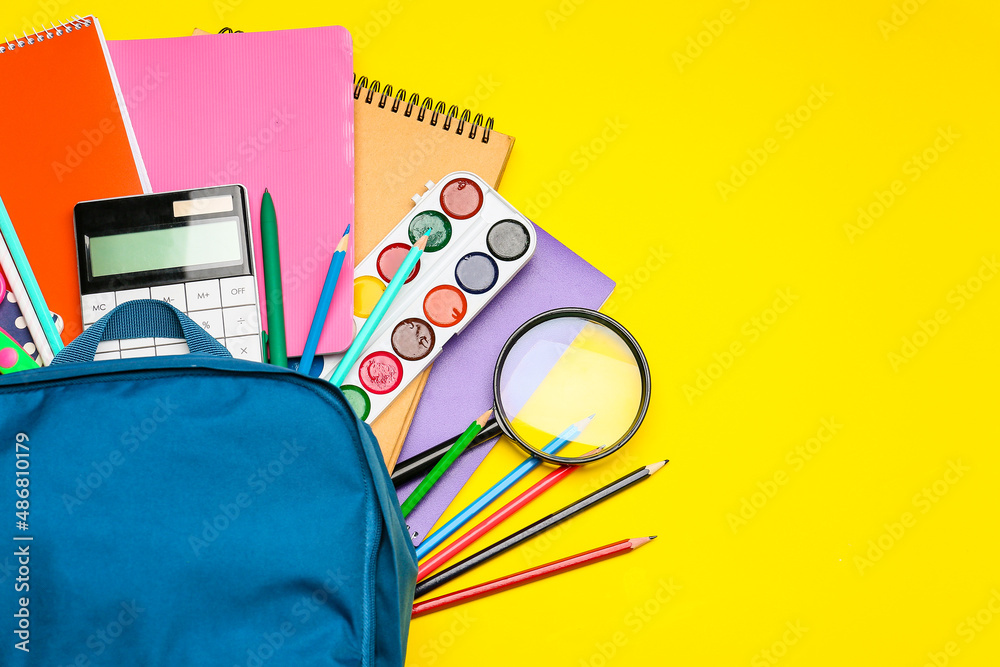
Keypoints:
pixel 210 321
pixel 172 294
pixel 96 306
pixel 203 295
pixel 224 308
pixel 237 291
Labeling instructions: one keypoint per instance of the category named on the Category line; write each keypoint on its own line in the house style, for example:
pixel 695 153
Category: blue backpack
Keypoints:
pixel 193 510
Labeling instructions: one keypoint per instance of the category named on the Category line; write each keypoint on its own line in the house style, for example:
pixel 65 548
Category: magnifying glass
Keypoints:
pixel 556 369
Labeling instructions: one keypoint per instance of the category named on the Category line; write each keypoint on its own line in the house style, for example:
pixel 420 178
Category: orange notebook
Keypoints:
pixel 66 138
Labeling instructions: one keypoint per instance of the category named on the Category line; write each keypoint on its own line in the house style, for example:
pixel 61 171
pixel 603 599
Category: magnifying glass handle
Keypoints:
pixel 415 466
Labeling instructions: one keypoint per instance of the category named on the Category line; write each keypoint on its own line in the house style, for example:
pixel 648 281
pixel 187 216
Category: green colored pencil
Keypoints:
pixel 272 283
pixel 435 474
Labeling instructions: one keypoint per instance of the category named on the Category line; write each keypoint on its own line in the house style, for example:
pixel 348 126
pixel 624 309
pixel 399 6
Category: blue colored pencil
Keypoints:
pixel 498 489
pixel 30 284
pixel 323 307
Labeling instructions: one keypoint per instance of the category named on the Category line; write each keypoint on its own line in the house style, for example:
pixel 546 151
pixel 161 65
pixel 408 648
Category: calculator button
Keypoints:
pixel 241 321
pixel 131 294
pixel 106 356
pixel 96 306
pixel 135 343
pixel 210 321
pixel 172 294
pixel 108 346
pixel 168 341
pixel 239 291
pixel 203 295
pixel 244 347
pixel 141 352
pixel 168 350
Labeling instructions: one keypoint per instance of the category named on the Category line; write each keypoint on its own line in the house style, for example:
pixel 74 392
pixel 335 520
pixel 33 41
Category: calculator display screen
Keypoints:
pixel 214 243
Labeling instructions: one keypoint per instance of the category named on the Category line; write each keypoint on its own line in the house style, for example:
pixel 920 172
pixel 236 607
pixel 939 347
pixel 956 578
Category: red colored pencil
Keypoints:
pixel 433 563
pixel 527 576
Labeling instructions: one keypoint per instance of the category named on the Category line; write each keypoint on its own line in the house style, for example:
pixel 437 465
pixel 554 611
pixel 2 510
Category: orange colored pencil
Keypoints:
pixel 527 576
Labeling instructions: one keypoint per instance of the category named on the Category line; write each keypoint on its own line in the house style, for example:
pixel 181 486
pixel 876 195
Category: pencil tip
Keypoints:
pixel 421 242
pixel 582 424
pixel 639 541
pixel 485 417
pixel 347 231
pixel 342 244
pixel 266 191
pixel 653 467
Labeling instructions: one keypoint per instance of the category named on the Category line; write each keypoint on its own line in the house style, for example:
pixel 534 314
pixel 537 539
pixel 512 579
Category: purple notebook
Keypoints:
pixel 556 277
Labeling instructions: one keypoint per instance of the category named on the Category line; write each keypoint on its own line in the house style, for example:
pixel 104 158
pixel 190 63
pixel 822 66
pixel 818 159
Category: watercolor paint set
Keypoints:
pixel 477 243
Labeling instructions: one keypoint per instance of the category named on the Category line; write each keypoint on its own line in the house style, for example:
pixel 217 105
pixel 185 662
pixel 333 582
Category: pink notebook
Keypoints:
pixel 269 109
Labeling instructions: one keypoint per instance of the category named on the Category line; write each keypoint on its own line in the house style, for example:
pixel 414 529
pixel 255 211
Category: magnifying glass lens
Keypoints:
pixel 566 369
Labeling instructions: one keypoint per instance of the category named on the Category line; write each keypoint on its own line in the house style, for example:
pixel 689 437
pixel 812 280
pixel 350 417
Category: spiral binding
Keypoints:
pixel 76 23
pixel 452 112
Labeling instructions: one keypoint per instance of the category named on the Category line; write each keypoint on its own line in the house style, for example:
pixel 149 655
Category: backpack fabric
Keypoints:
pixel 193 510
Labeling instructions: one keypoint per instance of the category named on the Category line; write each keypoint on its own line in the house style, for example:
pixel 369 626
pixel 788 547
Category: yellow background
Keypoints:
pixel 566 72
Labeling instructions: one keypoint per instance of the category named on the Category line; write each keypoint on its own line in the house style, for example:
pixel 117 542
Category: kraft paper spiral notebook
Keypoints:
pixel 399 146
pixel 556 277
pixel 268 110
pixel 66 137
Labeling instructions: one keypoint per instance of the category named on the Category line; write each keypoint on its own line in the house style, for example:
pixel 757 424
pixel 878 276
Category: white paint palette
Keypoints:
pixel 478 242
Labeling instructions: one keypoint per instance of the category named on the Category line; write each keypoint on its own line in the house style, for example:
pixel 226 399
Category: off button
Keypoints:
pixel 240 291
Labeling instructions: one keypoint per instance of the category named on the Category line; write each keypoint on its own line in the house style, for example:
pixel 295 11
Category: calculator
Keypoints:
pixel 192 249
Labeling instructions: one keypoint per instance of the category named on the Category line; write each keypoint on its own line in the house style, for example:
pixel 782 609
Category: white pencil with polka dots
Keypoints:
pixel 17 287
